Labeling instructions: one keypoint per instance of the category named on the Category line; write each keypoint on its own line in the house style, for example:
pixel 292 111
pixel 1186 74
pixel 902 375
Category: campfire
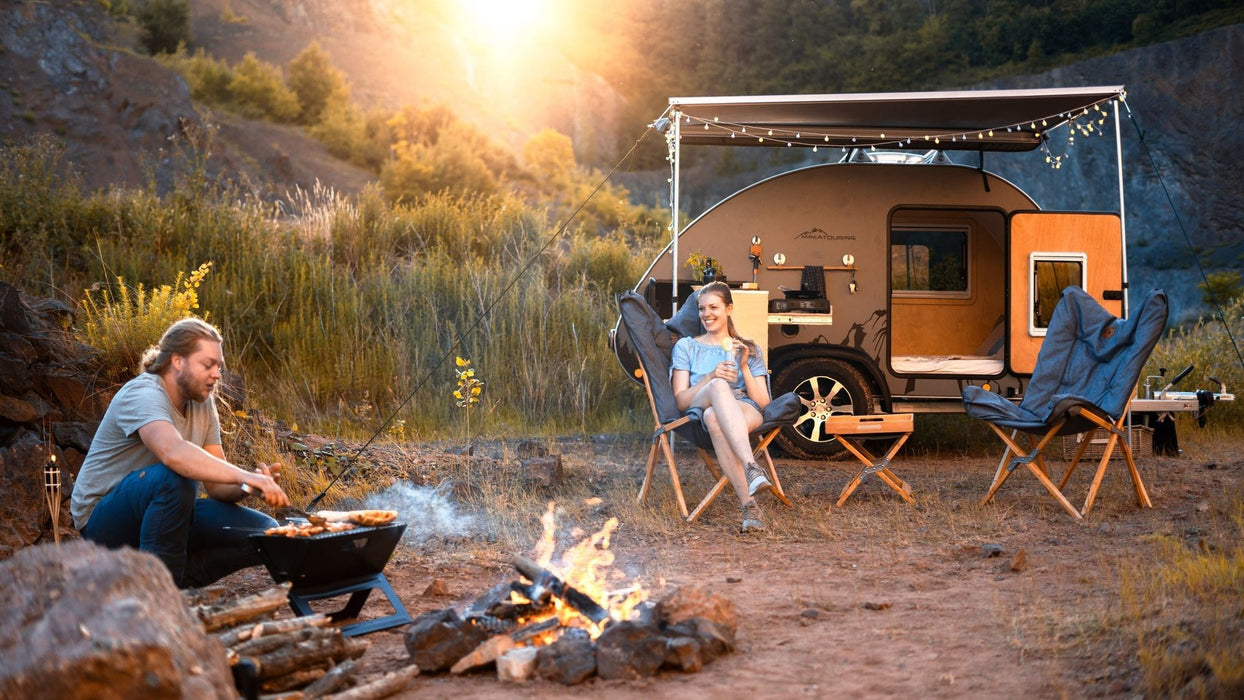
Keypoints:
pixel 561 620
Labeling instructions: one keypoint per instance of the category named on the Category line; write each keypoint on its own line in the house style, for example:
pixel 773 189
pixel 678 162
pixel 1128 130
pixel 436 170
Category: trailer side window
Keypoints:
pixel 1051 273
pixel 929 261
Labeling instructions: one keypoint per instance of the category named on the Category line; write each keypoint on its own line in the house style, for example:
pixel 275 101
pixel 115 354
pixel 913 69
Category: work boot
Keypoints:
pixel 751 517
pixel 756 479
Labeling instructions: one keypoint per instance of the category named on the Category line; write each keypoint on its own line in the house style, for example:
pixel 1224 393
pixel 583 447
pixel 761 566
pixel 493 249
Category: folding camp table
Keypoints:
pixel 852 430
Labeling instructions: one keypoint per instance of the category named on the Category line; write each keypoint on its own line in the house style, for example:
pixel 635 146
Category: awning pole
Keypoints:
pixel 1118 152
pixel 677 136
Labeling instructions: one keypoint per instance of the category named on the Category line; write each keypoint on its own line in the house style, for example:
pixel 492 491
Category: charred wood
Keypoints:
pixel 544 580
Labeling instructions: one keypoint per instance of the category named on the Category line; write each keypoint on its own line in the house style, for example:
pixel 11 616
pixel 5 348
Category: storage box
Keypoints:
pixel 1142 444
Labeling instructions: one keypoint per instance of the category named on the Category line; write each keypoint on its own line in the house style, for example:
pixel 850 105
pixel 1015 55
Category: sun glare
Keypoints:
pixel 501 19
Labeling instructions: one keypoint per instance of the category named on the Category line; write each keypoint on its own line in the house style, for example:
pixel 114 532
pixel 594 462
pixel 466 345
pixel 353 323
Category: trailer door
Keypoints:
pixel 1048 252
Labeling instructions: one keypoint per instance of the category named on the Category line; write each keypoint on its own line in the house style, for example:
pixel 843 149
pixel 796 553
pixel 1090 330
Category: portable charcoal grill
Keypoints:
pixel 333 564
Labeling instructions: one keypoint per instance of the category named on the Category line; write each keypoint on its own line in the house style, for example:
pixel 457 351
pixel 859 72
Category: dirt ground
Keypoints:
pixel 878 598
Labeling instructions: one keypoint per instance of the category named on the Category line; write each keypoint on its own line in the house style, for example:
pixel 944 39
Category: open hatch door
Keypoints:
pixel 1050 251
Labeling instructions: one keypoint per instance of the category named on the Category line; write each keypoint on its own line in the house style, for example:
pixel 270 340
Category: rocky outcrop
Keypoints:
pixel 82 621
pixel 49 406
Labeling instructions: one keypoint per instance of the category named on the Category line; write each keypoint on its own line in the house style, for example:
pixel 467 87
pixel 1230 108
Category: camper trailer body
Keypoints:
pixel 934 276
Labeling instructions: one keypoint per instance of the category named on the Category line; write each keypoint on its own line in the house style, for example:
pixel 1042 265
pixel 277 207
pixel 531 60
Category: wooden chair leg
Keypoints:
pixel 669 459
pixel 1142 496
pixel 652 461
pixel 1075 460
pixel 762 451
pixel 1049 486
pixel 1003 472
pixel 1101 472
pixel 708 499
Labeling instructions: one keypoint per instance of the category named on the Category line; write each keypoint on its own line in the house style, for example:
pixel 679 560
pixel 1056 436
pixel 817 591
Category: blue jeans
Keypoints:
pixel 200 540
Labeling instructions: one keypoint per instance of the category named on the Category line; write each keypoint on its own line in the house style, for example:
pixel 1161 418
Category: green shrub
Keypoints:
pixel 208 78
pixel 315 80
pixel 122 322
pixel 165 24
pixel 1206 345
pixel 259 92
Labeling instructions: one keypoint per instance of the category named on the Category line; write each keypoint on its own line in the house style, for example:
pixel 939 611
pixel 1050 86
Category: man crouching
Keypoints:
pixel 161 436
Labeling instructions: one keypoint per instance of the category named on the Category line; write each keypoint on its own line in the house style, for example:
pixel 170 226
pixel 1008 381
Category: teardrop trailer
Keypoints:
pixel 925 276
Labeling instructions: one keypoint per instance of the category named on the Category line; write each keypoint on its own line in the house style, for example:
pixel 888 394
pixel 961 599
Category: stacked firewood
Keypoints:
pixel 290 659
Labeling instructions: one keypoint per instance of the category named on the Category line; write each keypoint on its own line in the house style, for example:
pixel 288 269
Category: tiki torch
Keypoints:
pixel 51 489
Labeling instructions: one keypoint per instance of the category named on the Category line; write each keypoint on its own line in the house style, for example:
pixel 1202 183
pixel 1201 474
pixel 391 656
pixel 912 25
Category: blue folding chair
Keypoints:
pixel 1086 375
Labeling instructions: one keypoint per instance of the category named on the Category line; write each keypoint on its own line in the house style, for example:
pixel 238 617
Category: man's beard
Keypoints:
pixel 189 390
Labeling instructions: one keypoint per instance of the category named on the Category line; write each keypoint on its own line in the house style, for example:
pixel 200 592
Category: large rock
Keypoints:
pixel 629 650
pixel 437 639
pixel 82 621
pixel 691 602
pixel 568 661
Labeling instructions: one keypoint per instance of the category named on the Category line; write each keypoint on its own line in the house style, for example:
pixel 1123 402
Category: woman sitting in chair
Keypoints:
pixel 732 395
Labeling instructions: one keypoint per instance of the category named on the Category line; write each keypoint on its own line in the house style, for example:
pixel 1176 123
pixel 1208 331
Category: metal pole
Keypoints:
pixel 1118 150
pixel 677 116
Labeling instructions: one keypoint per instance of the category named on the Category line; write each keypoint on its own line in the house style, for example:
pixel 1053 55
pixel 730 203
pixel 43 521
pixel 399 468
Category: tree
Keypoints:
pixel 315 80
pixel 166 25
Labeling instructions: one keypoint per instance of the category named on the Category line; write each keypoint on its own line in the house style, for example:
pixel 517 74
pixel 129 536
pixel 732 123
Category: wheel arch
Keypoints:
pixel 781 357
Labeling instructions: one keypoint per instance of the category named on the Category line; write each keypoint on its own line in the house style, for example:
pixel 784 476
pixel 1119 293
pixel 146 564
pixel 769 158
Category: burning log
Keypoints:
pixel 247 632
pixel 218 616
pixel 545 583
pixel 535 629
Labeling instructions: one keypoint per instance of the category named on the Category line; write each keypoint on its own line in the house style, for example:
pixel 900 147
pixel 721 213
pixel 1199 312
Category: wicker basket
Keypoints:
pixel 1142 444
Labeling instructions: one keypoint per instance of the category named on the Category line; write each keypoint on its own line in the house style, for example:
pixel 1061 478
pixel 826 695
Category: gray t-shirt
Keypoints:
pixel 117 448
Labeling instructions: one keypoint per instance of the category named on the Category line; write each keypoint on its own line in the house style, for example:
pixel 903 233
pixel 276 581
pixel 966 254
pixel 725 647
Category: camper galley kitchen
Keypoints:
pixel 888 280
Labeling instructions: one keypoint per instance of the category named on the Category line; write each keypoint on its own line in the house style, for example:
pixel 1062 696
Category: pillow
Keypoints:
pixel 686 322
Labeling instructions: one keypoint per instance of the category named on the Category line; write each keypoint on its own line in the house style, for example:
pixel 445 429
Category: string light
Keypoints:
pixel 1079 120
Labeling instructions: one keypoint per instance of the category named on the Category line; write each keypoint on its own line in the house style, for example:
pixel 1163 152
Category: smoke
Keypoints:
pixel 428 512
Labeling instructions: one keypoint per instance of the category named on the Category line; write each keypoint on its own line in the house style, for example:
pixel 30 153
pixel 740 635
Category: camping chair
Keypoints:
pixel 1086 374
pixel 652 341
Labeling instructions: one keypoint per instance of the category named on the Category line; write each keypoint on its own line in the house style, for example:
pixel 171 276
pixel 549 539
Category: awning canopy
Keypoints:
pixel 971 120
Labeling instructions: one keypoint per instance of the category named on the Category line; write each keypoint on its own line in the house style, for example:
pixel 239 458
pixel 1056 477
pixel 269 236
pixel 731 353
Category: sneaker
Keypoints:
pixel 751 517
pixel 756 479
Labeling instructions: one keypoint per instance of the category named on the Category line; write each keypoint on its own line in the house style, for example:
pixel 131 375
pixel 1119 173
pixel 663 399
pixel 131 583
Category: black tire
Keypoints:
pixel 826 387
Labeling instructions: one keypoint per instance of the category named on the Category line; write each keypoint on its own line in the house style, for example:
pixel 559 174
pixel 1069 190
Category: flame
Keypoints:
pixel 588 567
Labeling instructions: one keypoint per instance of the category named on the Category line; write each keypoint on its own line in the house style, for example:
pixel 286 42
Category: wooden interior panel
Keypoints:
pixel 1098 236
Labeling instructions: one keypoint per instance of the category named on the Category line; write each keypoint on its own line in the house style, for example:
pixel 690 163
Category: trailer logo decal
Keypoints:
pixel 819 234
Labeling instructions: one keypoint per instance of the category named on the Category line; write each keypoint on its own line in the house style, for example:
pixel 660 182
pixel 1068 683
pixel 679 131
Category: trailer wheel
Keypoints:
pixel 826 388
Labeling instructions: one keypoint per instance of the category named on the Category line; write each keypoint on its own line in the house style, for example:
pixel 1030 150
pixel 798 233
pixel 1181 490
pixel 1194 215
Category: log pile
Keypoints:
pixel 296 658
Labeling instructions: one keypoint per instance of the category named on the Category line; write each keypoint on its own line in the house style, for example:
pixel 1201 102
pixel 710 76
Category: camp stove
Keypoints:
pixel 333 564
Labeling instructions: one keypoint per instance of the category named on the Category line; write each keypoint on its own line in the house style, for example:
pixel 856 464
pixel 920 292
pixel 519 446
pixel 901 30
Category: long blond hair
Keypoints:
pixel 722 290
pixel 181 338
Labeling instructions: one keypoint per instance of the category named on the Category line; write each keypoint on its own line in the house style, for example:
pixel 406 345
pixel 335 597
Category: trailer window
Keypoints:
pixel 1051 273
pixel 929 261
